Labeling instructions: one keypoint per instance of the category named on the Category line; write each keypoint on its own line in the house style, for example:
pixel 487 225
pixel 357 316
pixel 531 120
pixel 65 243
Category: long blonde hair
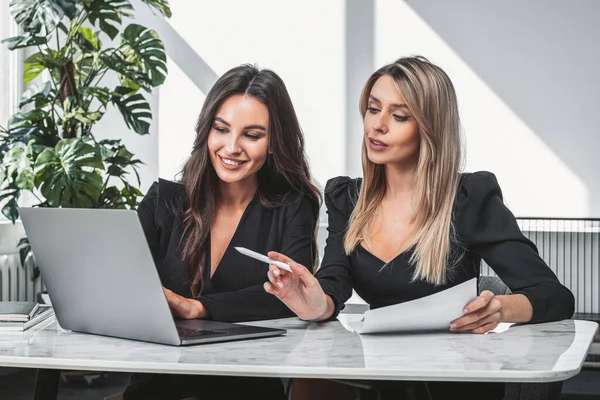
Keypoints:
pixel 431 99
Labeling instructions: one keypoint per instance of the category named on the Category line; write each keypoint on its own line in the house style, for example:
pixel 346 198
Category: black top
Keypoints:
pixel 235 292
pixel 485 229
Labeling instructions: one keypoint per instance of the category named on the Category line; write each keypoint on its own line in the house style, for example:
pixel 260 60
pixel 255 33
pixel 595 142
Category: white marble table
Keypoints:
pixel 528 353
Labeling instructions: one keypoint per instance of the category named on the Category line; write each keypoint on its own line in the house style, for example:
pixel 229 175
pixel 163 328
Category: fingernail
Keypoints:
pixel 452 326
pixel 465 310
pixel 279 283
pixel 276 272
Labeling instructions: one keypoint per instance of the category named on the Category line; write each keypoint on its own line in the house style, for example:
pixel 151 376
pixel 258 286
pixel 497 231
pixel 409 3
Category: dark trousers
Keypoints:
pixel 396 390
pixel 203 387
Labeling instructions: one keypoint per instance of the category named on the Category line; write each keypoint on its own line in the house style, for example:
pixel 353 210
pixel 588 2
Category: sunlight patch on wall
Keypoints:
pixel 535 181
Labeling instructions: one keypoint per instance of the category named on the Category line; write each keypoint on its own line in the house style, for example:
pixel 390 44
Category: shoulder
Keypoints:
pixel 479 201
pixel 342 192
pixel 476 188
pixel 299 203
pixel 163 198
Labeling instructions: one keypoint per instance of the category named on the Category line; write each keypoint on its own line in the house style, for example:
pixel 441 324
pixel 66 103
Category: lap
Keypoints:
pixel 177 387
pixel 409 390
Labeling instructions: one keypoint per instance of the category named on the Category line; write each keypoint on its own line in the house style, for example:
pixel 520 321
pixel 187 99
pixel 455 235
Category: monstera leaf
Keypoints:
pixel 41 16
pixel 134 108
pixel 39 95
pixel 67 175
pixel 35 124
pixel 108 14
pixel 17 164
pixel 36 63
pixel 161 5
pixel 19 42
pixel 143 48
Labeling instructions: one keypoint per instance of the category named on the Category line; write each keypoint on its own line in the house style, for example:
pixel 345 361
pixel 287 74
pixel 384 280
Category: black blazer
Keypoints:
pixel 484 227
pixel 235 292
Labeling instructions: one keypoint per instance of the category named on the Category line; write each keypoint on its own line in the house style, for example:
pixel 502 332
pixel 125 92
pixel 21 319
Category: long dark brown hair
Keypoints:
pixel 285 171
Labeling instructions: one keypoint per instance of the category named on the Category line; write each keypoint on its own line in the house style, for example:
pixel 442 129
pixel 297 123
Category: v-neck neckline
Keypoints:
pixel 233 237
pixel 379 259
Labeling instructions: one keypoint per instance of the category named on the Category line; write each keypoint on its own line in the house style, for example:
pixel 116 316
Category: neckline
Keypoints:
pixel 233 237
pixel 402 253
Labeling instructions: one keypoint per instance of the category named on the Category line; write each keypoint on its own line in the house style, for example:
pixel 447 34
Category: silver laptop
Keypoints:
pixel 101 279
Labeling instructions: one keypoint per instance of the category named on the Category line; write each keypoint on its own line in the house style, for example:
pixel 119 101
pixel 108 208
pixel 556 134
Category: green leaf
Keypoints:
pixel 87 39
pixel 25 179
pixel 108 13
pixel 11 208
pixel 161 5
pixel 99 93
pixel 128 72
pixel 24 249
pixel 134 108
pixel 40 94
pixel 86 69
pixel 36 63
pixel 17 163
pixel 146 51
pixel 26 40
pixel 33 125
pixel 86 117
pixel 41 16
pixel 67 175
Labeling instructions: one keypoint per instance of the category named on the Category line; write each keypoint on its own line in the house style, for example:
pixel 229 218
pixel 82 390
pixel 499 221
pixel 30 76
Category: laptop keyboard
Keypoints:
pixel 197 333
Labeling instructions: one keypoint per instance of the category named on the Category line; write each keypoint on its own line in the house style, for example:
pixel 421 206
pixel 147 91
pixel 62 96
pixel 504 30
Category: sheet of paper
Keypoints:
pixel 434 312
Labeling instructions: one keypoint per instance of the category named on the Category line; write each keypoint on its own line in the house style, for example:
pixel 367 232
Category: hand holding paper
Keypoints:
pixel 434 312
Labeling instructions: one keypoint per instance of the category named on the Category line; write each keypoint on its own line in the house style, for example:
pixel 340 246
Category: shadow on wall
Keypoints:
pixel 182 54
pixel 541 57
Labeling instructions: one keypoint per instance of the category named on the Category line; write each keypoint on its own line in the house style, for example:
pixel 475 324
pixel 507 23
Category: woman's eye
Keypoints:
pixel 220 129
pixel 252 136
pixel 401 118
pixel 372 110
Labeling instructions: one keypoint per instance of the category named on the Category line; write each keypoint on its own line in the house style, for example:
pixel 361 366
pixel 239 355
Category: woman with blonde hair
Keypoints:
pixel 415 225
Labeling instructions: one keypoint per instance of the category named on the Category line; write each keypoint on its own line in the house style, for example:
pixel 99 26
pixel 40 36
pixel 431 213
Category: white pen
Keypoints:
pixel 262 258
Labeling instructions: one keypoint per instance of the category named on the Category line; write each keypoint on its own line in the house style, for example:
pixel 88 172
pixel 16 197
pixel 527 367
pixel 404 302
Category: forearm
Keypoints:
pixel 515 308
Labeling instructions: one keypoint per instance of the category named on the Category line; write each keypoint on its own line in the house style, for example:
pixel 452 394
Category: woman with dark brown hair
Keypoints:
pixel 247 184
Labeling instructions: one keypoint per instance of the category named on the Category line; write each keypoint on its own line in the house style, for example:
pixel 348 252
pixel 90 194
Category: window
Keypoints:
pixel 10 74
pixel 10 84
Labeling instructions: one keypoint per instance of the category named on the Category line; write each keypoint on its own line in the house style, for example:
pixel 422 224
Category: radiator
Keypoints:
pixel 15 280
pixel 571 249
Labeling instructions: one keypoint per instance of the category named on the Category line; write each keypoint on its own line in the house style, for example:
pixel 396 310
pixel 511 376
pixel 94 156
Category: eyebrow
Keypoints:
pixel 259 127
pixel 395 105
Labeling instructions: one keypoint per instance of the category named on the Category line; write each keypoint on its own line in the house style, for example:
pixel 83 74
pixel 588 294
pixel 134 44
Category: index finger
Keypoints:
pixel 279 257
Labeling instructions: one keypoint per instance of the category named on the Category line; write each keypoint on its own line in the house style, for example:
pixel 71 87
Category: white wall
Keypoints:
pixel 526 115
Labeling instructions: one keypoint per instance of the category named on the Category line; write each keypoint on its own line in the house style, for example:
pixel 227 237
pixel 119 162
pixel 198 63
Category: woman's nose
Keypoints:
pixel 232 145
pixel 380 125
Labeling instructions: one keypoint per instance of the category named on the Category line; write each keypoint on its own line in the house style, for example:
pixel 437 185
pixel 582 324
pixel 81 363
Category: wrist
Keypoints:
pixel 329 309
pixel 515 308
pixel 200 311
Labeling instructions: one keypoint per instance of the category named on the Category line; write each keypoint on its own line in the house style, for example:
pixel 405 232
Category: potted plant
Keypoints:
pixel 48 147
